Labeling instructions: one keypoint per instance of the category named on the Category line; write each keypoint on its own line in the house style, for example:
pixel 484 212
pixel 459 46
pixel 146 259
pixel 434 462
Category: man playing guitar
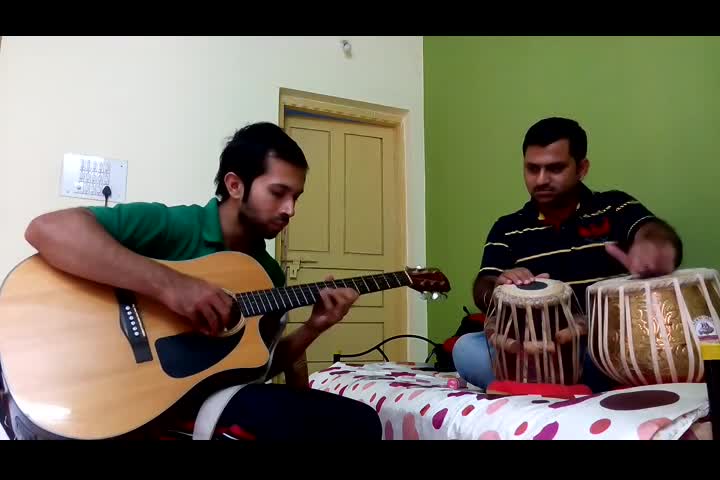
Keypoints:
pixel 261 176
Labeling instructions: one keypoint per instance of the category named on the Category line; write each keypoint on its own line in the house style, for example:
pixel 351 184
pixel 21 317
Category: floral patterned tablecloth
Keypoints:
pixel 415 402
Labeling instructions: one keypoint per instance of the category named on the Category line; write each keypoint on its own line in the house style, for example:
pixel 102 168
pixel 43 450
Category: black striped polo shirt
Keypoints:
pixel 575 251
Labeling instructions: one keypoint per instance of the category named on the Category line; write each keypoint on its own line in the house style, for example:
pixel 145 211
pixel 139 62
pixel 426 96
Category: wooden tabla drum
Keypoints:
pixel 649 331
pixel 535 333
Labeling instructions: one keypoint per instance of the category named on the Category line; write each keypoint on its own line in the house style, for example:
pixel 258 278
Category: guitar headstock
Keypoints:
pixel 430 282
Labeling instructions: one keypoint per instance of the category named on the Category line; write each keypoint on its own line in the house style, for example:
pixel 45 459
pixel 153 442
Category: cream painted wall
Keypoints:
pixel 167 104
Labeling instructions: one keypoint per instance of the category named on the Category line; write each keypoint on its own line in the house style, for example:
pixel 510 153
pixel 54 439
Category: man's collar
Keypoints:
pixel 585 198
pixel 212 229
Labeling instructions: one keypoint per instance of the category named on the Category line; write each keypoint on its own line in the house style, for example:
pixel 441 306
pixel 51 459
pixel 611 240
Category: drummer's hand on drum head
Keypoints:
pixel 518 276
pixel 645 258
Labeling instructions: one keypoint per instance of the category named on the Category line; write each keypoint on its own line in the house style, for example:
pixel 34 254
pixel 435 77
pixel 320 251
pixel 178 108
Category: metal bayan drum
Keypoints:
pixel 649 331
pixel 537 337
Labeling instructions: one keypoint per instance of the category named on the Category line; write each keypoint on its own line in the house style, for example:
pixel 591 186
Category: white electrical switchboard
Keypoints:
pixel 85 176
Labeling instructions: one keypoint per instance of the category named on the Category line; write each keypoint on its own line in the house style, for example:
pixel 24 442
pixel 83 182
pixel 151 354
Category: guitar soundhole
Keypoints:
pixel 235 318
pixel 188 354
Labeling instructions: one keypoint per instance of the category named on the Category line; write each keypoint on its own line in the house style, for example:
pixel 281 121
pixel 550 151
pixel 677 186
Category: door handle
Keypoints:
pixel 295 265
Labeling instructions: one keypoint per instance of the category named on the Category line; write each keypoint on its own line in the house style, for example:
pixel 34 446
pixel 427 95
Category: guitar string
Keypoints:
pixel 262 301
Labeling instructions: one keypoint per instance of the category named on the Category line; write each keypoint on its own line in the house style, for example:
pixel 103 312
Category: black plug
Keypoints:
pixel 107 192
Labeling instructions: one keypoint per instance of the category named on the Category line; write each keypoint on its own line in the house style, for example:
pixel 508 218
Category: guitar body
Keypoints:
pixel 77 368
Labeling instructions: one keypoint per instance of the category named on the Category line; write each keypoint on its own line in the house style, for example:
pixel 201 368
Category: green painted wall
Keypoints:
pixel 650 105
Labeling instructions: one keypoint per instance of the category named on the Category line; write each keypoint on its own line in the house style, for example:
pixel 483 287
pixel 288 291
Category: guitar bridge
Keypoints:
pixel 132 326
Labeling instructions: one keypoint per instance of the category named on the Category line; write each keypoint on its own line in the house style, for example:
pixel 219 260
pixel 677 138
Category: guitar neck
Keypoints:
pixel 261 302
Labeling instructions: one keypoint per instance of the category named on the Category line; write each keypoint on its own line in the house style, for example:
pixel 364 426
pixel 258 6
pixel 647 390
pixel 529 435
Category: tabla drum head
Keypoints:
pixel 542 291
pixel 630 283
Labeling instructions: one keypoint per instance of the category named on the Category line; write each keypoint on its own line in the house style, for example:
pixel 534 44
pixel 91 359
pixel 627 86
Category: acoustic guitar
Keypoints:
pixel 83 360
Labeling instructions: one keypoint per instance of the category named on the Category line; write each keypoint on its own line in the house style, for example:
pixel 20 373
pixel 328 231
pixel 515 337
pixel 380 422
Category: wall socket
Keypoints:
pixel 85 176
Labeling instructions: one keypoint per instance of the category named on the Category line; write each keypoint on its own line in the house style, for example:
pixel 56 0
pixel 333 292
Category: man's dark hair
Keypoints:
pixel 246 155
pixel 550 130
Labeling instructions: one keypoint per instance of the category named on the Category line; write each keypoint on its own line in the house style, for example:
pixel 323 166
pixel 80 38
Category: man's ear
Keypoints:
pixel 583 167
pixel 234 185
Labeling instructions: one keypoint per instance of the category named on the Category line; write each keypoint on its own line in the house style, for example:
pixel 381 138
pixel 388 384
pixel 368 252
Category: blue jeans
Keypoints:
pixel 472 356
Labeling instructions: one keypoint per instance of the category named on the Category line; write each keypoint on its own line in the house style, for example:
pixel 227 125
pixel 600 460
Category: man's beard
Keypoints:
pixel 248 218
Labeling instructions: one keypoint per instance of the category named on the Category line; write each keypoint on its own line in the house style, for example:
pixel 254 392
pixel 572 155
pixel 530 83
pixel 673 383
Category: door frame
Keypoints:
pixel 371 114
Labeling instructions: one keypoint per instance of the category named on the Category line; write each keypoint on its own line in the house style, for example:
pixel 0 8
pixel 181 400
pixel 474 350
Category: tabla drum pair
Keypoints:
pixel 641 331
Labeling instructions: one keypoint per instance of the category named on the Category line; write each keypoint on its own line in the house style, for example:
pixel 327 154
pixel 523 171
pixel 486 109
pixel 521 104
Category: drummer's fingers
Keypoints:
pixel 668 259
pixel 662 261
pixel 519 276
pixel 510 277
pixel 619 255
pixel 642 266
pixel 526 276
pixel 543 275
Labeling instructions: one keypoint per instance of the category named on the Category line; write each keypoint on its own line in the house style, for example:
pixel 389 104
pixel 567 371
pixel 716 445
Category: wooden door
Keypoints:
pixel 347 223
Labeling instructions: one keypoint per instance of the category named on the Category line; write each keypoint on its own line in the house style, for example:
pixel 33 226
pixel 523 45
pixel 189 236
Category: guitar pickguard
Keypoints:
pixel 190 353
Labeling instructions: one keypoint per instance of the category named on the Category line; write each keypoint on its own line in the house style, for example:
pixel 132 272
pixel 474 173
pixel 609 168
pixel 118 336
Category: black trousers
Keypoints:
pixel 280 412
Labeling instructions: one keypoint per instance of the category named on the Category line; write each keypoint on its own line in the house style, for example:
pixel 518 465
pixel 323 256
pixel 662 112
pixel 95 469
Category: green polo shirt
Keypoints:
pixel 183 232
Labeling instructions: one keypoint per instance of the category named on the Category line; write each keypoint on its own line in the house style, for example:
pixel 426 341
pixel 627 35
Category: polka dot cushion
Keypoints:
pixel 414 402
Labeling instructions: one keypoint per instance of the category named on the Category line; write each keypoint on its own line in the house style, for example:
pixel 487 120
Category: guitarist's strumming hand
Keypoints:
pixel 333 305
pixel 205 305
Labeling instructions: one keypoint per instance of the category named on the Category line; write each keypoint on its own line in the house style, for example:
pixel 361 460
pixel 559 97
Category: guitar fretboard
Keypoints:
pixel 261 302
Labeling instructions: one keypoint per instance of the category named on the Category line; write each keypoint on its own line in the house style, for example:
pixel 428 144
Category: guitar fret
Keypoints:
pixel 286 293
pixel 376 283
pixel 273 302
pixel 272 299
pixel 310 287
pixel 386 282
pixel 258 302
pixel 294 290
pixel 303 294
pixel 272 295
pixel 259 306
pixel 264 297
pixel 243 303
pixel 279 294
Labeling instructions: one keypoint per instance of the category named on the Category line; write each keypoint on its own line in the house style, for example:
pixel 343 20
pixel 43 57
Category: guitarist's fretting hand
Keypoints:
pixel 333 306
pixel 205 305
